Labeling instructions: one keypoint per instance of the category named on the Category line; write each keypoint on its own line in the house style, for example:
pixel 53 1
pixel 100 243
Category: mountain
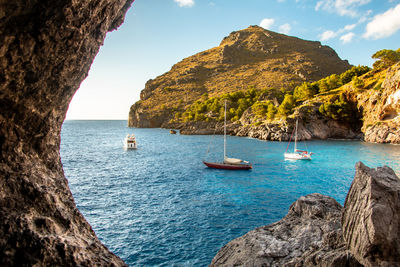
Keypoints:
pixel 249 58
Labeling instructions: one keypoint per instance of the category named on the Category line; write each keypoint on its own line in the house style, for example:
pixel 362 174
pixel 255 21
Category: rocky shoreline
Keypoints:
pixel 278 131
pixel 318 231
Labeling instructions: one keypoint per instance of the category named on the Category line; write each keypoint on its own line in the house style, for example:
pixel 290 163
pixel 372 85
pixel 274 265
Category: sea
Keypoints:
pixel 159 205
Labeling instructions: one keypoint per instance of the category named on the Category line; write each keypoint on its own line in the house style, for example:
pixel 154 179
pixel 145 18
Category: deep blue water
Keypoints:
pixel 160 206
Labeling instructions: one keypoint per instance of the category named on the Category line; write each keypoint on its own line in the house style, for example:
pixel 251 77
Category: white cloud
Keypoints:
pixel 365 16
pixel 185 3
pixel 285 28
pixel 347 37
pixel 267 23
pixel 326 35
pixel 383 25
pixel 349 27
pixel 342 7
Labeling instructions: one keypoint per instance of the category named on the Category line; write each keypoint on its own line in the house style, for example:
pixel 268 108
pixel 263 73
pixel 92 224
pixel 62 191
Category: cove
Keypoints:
pixel 159 205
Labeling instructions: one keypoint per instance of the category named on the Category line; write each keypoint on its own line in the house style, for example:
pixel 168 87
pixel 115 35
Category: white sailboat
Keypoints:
pixel 228 163
pixel 297 154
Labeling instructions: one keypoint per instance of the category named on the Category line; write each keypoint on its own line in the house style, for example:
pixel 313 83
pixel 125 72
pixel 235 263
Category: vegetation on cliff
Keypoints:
pixel 350 98
pixel 270 104
pixel 386 58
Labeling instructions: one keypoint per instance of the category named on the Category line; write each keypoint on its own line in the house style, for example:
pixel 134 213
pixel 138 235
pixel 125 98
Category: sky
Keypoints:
pixel 157 34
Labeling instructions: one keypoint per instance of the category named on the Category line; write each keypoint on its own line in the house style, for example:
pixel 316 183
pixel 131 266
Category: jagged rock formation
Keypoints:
pixel 250 57
pixel 46 49
pixel 314 232
pixel 309 235
pixel 382 109
pixel 371 217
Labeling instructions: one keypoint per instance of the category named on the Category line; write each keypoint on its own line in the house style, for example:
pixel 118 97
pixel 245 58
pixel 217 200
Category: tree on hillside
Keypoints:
pixel 287 105
pixel 271 111
pixel 348 75
pixel 357 82
pixel 341 108
pixel 305 91
pixel 385 58
pixel 329 83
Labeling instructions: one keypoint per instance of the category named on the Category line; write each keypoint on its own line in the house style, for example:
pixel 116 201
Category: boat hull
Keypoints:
pixel 225 166
pixel 297 156
pixel 130 147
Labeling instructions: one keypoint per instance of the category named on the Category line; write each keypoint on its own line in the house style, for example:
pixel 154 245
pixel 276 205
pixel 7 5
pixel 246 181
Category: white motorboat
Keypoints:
pixel 130 142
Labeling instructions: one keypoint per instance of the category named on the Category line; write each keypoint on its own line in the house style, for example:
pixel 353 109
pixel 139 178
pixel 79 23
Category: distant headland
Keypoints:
pixel 269 80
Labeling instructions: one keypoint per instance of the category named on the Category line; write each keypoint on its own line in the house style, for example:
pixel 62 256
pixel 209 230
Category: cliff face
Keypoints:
pixel 317 231
pixel 46 49
pixel 250 57
pixel 382 108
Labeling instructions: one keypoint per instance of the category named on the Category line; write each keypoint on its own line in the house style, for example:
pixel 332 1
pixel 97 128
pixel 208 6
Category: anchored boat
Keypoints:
pixel 130 142
pixel 297 154
pixel 228 163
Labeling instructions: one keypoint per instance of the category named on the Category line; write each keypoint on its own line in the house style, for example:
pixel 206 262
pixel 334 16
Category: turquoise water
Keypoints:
pixel 160 206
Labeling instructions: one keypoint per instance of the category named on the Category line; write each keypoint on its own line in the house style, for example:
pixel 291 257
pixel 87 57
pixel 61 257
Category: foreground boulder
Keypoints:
pixel 317 231
pixel 371 217
pixel 310 234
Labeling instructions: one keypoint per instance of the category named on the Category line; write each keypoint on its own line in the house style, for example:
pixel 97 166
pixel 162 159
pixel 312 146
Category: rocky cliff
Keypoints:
pixel 251 57
pixel 374 107
pixel 317 231
pixel 46 49
pixel 382 108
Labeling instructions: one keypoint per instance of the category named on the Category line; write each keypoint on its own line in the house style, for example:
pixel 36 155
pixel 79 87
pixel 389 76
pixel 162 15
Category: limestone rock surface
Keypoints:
pixel 371 217
pixel 309 235
pixel 382 110
pixel 282 131
pixel 46 49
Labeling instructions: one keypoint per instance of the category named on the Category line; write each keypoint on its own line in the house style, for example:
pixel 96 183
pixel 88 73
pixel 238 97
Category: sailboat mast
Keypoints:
pixel 295 136
pixel 225 131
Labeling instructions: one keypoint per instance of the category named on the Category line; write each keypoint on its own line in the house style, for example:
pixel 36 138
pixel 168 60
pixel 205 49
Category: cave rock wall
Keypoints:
pixel 46 49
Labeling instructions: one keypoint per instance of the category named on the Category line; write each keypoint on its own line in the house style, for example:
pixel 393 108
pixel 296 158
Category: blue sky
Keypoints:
pixel 159 33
